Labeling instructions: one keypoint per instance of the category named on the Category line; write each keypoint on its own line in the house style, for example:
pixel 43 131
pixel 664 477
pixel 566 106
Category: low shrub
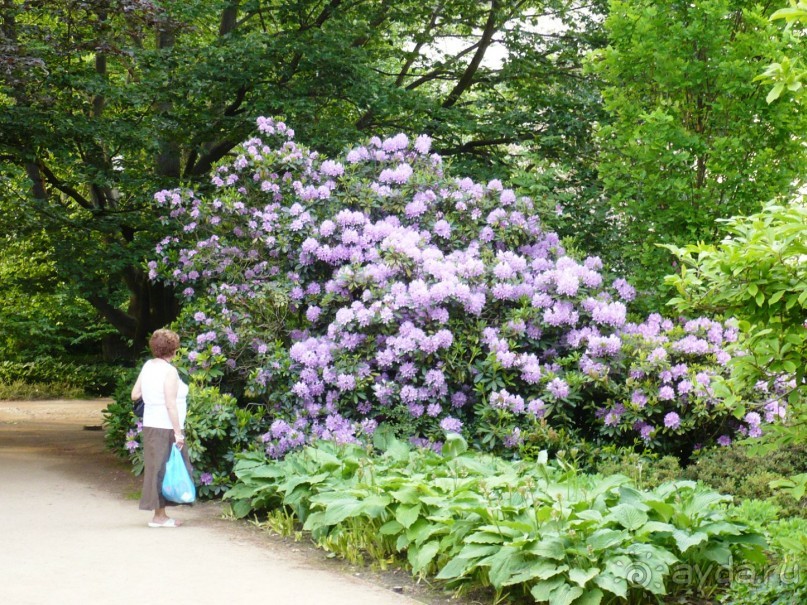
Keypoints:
pixel 216 429
pixel 119 419
pixel 647 469
pixel 788 589
pixel 783 581
pixel 758 514
pixel 66 377
pixel 539 529
pixel 732 470
pixel 757 274
pixel 24 391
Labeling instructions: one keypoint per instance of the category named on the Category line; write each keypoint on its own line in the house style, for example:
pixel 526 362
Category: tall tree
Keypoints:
pixel 104 102
pixel 692 138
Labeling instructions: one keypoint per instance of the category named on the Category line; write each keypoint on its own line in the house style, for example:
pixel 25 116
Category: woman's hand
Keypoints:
pixel 179 438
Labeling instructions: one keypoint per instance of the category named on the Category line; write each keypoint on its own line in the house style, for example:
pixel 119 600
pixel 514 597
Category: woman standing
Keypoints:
pixel 165 398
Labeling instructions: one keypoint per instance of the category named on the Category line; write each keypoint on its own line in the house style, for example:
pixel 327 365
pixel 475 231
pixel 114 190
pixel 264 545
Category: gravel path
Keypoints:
pixel 72 533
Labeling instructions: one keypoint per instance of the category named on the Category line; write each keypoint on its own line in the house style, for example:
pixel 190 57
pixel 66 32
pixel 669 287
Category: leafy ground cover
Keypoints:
pixel 541 530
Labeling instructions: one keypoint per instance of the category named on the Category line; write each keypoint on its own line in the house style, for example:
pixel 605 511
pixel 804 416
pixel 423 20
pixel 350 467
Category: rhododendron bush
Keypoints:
pixel 375 288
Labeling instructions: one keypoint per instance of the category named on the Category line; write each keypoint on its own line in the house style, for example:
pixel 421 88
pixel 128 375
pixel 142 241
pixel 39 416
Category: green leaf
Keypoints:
pixel 614 584
pixel 664 509
pixel 652 552
pixel 775 92
pixel 421 530
pixel 407 515
pixel 719 553
pixel 592 596
pixel 397 450
pixel 685 540
pixel 541 569
pixel 551 548
pixel 565 594
pixel 542 591
pixel 590 515
pixel 454 446
pixel 752 539
pixel 241 508
pixel 628 516
pixel 603 539
pixel 477 551
pixel 374 505
pixel 720 528
pixel 503 565
pixel 455 568
pixel 582 576
pixel 421 557
pixel 657 527
pixel 485 537
pixel 408 494
pixel 390 528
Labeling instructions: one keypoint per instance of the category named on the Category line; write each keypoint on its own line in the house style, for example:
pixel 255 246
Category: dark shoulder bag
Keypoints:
pixel 138 407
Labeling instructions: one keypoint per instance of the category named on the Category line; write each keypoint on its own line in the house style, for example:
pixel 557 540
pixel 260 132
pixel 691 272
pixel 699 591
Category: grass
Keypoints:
pixel 20 390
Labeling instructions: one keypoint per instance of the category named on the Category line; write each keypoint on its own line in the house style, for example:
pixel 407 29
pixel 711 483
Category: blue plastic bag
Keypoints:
pixel 177 484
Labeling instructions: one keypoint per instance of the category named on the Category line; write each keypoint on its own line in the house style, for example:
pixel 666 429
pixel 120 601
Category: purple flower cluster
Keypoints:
pixel 133 437
pixel 405 291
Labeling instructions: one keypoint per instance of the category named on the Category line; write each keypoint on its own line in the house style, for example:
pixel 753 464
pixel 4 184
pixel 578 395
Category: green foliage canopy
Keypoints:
pixel 104 102
pixel 692 138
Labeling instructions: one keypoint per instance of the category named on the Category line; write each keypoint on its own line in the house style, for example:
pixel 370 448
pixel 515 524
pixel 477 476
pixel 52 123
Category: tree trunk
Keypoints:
pixel 168 159
pixel 153 305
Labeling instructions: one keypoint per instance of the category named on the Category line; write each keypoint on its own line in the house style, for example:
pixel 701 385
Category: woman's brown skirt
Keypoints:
pixel 157 445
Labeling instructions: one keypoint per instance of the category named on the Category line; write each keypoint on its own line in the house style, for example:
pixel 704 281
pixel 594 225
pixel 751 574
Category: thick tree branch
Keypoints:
pixel 234 107
pixel 99 101
pixel 102 196
pixel 168 162
pixel 467 78
pixel 34 172
pixel 440 69
pixel 213 155
pixel 382 16
pixel 298 56
pixel 229 18
pixel 197 166
pixel 324 15
pixel 412 56
pixel 364 121
pixel 472 145
pixel 220 148
pixel 123 322
pixel 54 181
